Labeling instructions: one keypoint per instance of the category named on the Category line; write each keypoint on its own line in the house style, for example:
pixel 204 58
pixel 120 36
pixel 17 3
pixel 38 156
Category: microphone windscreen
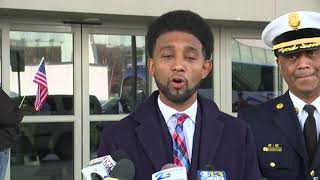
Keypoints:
pixel 123 170
pixel 168 166
pixel 118 155
pixel 209 167
pixel 95 176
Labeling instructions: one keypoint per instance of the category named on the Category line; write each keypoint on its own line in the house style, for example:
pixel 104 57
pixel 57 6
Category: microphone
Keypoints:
pixel 171 172
pixel 168 166
pixel 118 155
pixel 124 170
pixel 101 167
pixel 210 173
pixel 209 167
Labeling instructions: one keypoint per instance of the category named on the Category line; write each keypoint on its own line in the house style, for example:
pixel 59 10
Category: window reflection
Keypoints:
pixel 95 132
pixel 43 151
pixel 255 76
pixel 26 52
pixel 117 72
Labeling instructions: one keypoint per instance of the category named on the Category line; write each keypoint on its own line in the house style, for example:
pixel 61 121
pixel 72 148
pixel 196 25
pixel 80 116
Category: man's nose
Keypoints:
pixel 178 63
pixel 304 61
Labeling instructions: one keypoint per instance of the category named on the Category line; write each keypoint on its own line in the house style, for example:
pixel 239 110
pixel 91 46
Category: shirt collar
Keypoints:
pixel 168 111
pixel 299 104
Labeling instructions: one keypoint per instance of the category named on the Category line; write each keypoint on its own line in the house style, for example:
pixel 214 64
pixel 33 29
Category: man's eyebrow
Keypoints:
pixel 167 46
pixel 190 48
pixel 187 48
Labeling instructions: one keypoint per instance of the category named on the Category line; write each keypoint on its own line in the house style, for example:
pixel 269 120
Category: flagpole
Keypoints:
pixel 24 97
pixel 40 62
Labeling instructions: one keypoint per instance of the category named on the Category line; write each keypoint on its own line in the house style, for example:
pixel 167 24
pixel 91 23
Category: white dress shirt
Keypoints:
pixel 188 125
pixel 302 114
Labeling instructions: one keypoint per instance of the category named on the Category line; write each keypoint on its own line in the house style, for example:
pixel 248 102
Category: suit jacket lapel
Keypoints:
pixel 316 160
pixel 286 119
pixel 211 129
pixel 153 133
pixel 155 138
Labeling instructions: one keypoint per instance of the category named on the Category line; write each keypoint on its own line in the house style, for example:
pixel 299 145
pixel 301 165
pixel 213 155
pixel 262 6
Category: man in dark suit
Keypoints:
pixel 10 117
pixel 176 124
pixel 286 129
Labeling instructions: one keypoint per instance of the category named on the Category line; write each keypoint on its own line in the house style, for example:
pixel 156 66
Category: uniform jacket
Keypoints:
pixel 280 141
pixel 219 140
pixel 10 116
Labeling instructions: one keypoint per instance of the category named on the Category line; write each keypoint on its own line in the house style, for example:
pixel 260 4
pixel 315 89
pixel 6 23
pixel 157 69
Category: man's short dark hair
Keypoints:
pixel 184 21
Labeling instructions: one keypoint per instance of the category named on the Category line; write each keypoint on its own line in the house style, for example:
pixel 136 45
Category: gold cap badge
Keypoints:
pixel 279 105
pixel 294 20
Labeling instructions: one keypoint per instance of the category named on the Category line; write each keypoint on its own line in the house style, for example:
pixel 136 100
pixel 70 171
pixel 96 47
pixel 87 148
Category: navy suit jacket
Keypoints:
pixel 273 123
pixel 219 140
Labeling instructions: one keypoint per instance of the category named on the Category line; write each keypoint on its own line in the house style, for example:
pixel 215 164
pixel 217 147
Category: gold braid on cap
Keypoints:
pixel 304 43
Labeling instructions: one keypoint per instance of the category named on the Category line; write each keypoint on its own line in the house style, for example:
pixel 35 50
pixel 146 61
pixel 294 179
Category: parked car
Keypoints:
pixel 56 105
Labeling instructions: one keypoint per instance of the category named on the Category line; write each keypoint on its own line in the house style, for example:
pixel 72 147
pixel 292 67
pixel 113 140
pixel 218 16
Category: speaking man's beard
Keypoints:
pixel 177 96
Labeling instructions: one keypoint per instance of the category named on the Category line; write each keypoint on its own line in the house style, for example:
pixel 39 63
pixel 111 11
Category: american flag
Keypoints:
pixel 42 92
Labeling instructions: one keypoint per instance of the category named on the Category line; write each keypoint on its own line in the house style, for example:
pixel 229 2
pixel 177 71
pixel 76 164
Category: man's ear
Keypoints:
pixel 151 66
pixel 206 68
pixel 278 63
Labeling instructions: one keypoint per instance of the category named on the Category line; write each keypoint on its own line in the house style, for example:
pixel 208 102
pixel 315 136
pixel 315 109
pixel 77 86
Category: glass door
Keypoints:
pixel 48 145
pixel 251 71
pixel 116 76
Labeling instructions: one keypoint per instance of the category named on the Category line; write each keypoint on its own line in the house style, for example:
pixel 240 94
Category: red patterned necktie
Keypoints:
pixel 180 152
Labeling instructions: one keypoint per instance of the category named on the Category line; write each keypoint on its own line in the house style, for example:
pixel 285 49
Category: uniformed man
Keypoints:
pixel 287 128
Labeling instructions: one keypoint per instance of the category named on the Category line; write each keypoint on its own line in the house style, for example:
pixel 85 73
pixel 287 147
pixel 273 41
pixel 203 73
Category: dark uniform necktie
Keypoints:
pixel 310 131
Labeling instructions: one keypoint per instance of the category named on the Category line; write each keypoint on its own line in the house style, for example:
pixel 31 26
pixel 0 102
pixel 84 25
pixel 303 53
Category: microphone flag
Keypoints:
pixel 175 173
pixel 211 175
